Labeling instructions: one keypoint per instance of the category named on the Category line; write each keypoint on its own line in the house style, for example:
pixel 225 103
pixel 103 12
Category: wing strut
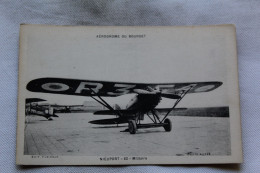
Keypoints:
pixel 176 103
pixel 104 103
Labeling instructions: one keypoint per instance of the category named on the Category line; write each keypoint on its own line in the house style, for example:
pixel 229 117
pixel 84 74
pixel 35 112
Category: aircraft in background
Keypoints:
pixel 148 96
pixel 61 108
pixel 33 108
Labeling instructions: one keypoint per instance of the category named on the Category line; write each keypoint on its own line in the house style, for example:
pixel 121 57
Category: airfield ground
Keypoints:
pixel 71 134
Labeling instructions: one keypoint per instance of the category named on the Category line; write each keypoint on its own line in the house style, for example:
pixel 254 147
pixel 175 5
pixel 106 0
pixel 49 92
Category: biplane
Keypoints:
pixel 33 108
pixel 147 97
pixel 45 109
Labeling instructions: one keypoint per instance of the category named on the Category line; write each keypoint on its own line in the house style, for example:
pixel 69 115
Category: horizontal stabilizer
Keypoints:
pixel 110 121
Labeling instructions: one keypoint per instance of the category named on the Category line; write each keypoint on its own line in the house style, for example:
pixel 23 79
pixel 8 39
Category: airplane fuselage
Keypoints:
pixel 143 102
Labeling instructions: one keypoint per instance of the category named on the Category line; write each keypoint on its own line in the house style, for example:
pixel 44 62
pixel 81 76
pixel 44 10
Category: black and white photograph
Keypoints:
pixel 128 95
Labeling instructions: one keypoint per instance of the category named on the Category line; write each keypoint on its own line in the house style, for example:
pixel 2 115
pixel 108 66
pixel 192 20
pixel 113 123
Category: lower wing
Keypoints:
pixel 131 112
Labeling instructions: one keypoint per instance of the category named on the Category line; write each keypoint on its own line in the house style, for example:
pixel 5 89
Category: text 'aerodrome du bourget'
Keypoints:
pixel 120 36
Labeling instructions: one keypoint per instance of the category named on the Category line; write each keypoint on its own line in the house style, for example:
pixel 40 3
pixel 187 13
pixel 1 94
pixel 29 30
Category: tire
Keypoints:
pixel 168 125
pixel 132 127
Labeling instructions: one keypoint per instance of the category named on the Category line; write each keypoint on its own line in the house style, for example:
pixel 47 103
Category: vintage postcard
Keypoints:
pixel 106 95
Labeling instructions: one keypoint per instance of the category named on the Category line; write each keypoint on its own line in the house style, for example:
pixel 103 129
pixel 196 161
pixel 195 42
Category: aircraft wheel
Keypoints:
pixel 168 125
pixel 50 119
pixel 132 127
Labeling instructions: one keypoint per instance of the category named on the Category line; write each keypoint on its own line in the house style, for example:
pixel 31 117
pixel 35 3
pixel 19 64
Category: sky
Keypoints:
pixel 162 55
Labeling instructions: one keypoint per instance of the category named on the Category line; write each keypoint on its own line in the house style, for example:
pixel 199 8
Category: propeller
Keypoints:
pixel 142 91
pixel 170 96
pixel 151 90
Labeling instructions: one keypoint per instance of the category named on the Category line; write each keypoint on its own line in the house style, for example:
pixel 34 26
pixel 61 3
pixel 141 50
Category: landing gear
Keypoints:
pixel 132 126
pixel 167 125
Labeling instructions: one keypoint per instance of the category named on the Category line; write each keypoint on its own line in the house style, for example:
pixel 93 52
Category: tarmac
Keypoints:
pixel 72 135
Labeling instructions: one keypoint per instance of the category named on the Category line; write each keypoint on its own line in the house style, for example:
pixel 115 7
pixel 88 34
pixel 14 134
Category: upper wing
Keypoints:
pixel 112 89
